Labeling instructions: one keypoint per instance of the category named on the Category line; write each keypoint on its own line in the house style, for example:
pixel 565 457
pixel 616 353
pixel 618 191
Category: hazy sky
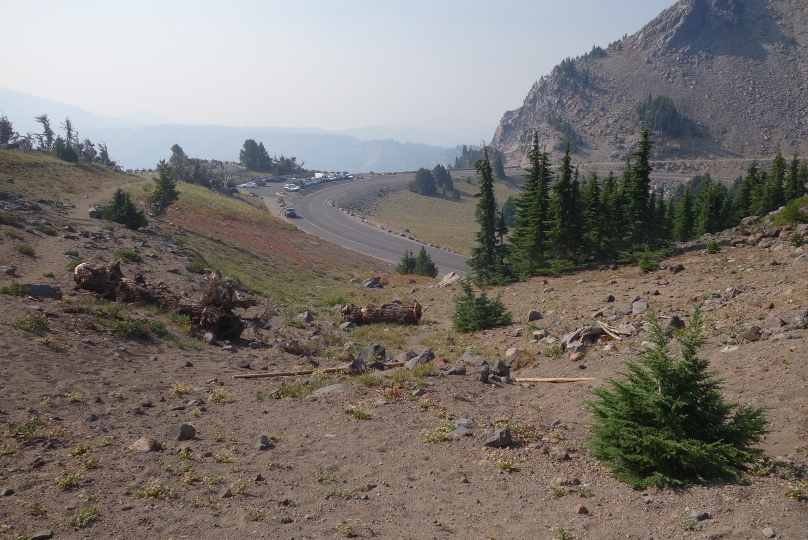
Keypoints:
pixel 449 66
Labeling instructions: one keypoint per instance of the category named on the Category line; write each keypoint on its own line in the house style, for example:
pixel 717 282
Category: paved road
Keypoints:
pixel 317 217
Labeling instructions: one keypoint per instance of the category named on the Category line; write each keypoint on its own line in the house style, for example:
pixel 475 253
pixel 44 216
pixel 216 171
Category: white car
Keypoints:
pixel 249 185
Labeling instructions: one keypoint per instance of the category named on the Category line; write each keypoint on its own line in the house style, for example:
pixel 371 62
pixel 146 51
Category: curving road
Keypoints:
pixel 318 218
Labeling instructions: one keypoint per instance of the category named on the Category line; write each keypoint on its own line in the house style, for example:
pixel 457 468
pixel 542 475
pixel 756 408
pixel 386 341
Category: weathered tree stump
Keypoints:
pixel 392 312
pixel 213 313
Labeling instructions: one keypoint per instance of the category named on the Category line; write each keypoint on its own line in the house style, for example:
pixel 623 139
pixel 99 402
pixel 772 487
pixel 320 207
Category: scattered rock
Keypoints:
pixel 468 423
pixel 347 326
pixel 484 374
pixel 473 359
pixel 90 418
pixel 331 389
pixel 188 363
pixel 372 352
pixel 181 432
pixel 459 432
pixel 418 393
pixel 610 347
pixel 145 401
pixel 699 515
pixel 730 349
pixel 609 299
pixel 566 481
pixel 751 334
pixel 372 283
pixel 423 358
pixel 230 348
pixel 773 322
pixel 8 270
pixel 676 268
pixel 226 494
pixel 305 317
pixel 581 509
pixel 41 535
pixel 533 315
pixel 46 291
pixel 576 356
pixel 500 369
pixel 497 438
pixel 675 323
pixel 7 492
pixel 512 353
pixel 639 307
pixel 146 444
pixel 262 443
pixel 456 370
pixel 768 532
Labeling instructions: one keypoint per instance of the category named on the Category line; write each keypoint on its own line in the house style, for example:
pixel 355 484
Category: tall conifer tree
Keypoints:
pixel 561 236
pixel 484 256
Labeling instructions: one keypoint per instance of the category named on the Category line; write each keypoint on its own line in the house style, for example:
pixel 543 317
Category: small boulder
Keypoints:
pixel 768 532
pixel 145 401
pixel 181 432
pixel 262 443
pixel 373 351
pixel 347 326
pixel 8 270
pixel 473 359
pixel 698 515
pixel 751 334
pixel 639 307
pixel 609 299
pixel 46 291
pixel 423 358
pixel 305 317
pixel 402 357
pixel 676 268
pixel 500 369
pixel 146 444
pixel 497 438
pixel 371 283
pixel 456 370
pixel 95 212
pixel 41 535
pixel 581 509
pixel 533 315
pixel 675 323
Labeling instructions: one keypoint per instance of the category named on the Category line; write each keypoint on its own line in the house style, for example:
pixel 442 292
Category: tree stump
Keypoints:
pixel 392 312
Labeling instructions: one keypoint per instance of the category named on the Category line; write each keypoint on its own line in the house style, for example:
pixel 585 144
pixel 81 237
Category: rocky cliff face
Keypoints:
pixel 736 72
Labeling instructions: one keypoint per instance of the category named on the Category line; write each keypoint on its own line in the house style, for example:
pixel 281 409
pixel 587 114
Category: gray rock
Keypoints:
pixel 404 356
pixel 262 443
pixel 347 326
pixel 473 359
pixel 47 291
pixel 8 492
pixel 497 438
pixel 90 418
pixel 41 535
pixel 698 515
pixel 230 348
pixel 459 432
pixel 533 315
pixel 226 494
pixel 773 322
pixel 146 444
pixel 801 259
pixel 145 401
pixel 305 317
pixel 331 389
pixel 242 364
pixel 751 334
pixel 676 268
pixel 8 270
pixel 484 374
pixel 768 532
pixel 639 307
pixel 180 432
pixel 256 345
pixel 188 363
pixel 418 393
pixel 372 282
pixel 423 358
pixel 467 423
pixel 675 323
pixel 95 212
pixel 609 299
pixel 500 369
pixel 456 370
pixel 372 352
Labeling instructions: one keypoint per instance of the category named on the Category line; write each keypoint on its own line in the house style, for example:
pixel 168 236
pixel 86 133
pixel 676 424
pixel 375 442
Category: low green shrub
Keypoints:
pixel 17 289
pixel 128 256
pixel 477 312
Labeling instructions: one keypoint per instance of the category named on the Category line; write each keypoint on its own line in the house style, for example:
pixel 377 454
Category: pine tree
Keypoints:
pixel 484 259
pixel 708 209
pixel 683 226
pixel 122 210
pixel 407 263
pixel 775 189
pixel 527 238
pixel 424 265
pixel 561 236
pixel 638 214
pixel 793 188
pixel 612 214
pixel 667 424
pixel 164 191
pixel 477 313
pixel 594 216
pixel 743 196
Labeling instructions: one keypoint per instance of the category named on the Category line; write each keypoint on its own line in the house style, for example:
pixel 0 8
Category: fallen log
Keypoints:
pixel 391 312
pixel 101 280
pixel 556 379
pixel 303 372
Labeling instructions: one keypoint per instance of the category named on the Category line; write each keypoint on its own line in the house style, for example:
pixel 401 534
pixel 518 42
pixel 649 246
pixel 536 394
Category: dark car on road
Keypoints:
pixel 290 213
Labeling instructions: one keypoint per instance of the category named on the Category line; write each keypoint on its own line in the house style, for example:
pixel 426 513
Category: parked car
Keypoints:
pixel 248 185
pixel 290 213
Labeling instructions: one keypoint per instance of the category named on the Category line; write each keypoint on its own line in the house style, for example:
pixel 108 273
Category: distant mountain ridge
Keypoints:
pixel 142 138
pixel 734 70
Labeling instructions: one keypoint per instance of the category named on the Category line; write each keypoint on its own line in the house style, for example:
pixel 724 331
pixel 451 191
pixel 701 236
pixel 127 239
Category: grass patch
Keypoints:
pixel 394 336
pixel 506 466
pixel 48 274
pixel 73 397
pixel 81 449
pixel 50 230
pixel 91 464
pixel 84 518
pixel 7 450
pixel 25 431
pixel 14 221
pixel 25 249
pixel 16 289
pixel 179 389
pixel 220 396
pixel 32 323
pixel 131 328
pixel 14 235
pixel 128 256
pixel 69 482
pixel 155 490
pixel 358 413
pixel 339 493
pixel 72 253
